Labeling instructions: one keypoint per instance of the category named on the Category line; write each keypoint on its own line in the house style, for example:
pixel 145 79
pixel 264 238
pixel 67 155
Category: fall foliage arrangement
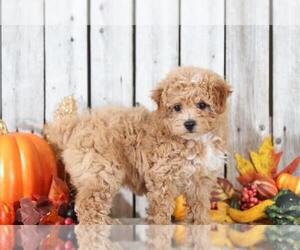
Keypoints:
pixel 31 193
pixel 267 196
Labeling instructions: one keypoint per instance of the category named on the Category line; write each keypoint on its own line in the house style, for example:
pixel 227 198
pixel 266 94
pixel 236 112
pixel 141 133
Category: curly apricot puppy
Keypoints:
pixel 177 149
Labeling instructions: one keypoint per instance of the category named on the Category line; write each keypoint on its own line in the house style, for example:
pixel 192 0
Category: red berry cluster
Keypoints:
pixel 249 197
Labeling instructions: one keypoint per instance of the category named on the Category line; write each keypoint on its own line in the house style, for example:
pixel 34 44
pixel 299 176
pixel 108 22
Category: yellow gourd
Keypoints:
pixel 253 214
pixel 180 208
pixel 220 215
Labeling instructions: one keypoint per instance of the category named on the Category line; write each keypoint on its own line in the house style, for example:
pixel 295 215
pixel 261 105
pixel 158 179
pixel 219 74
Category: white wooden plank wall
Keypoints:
pixel 65 52
pixel 157 46
pixel 111 57
pixel 48 52
pixel 202 34
pixel 286 78
pixel 22 64
pixel 112 66
pixel 247 70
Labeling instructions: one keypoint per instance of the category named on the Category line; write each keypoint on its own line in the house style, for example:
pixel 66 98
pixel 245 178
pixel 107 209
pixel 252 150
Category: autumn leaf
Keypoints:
pixel 59 192
pixel 291 168
pixel 276 160
pixel 266 146
pixel 245 179
pixel 223 191
pixel 264 160
pixel 51 218
pixel 263 163
pixel 28 212
pixel 244 166
pixel 43 205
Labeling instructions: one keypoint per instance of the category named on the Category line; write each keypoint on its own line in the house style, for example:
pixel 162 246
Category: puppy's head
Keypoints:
pixel 190 100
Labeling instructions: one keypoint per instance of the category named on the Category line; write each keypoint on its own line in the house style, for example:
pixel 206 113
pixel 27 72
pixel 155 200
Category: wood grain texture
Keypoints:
pixel 112 67
pixel 286 75
pixel 66 52
pixel 156 45
pixel 156 53
pixel 111 52
pixel 202 34
pixel 22 64
pixel 247 70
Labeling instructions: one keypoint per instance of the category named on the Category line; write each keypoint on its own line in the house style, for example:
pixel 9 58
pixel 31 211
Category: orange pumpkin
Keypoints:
pixel 288 181
pixel 7 214
pixel 27 165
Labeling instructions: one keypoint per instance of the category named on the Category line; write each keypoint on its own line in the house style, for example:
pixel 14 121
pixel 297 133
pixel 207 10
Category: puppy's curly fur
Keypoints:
pixel 153 153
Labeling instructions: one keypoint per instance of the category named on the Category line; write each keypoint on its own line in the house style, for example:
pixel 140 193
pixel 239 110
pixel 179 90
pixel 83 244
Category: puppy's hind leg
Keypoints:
pixel 161 196
pixel 97 181
pixel 94 199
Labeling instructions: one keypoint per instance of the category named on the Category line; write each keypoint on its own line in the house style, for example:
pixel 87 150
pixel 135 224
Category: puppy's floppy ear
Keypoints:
pixel 156 95
pixel 220 92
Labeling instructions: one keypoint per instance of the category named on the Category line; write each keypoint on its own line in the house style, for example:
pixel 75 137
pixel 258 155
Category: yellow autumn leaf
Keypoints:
pixel 267 146
pixel 244 166
pixel 263 160
pixel 262 163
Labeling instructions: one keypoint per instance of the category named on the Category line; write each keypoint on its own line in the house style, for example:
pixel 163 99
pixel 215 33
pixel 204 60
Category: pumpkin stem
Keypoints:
pixel 3 128
pixel 67 107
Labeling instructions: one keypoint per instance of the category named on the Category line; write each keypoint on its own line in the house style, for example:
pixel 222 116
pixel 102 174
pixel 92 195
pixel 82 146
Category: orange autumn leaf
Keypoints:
pixel 51 218
pixel 59 192
pixel 245 179
pixel 276 160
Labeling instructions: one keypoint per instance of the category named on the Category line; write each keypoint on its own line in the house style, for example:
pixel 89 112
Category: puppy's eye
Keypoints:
pixel 202 105
pixel 177 107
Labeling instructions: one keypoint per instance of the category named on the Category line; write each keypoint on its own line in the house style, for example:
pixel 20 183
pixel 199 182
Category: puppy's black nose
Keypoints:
pixel 189 125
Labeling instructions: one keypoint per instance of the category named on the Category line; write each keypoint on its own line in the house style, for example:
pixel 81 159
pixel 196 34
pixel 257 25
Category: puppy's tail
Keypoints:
pixel 58 132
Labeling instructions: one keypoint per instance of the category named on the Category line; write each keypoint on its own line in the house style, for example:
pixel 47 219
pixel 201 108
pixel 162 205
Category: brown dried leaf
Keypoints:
pixel 223 191
pixel 59 192
pixel 29 214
